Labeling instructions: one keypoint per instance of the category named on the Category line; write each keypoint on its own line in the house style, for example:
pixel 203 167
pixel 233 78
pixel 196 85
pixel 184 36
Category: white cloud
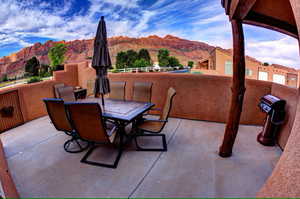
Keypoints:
pixel 123 3
pixel 284 51
pixel 213 19
pixel 195 20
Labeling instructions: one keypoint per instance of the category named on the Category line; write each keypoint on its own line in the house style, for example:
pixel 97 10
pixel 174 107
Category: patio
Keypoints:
pixel 191 168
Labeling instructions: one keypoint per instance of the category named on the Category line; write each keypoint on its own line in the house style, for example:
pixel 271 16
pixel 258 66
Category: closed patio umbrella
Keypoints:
pixel 101 61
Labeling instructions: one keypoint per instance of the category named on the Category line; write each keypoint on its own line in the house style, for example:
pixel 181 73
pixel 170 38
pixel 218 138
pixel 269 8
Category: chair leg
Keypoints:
pixel 114 165
pixel 77 150
pixel 164 142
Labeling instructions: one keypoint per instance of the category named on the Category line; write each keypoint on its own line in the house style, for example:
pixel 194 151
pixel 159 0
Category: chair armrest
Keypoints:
pixel 155 109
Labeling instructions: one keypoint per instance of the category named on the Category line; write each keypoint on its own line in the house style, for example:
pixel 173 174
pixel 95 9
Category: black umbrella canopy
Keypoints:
pixel 101 60
pixel 101 56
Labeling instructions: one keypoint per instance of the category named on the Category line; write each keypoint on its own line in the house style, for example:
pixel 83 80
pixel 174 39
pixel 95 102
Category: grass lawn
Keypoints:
pixel 19 81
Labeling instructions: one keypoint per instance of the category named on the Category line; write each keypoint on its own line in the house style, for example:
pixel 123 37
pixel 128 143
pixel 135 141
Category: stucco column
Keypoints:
pixel 238 89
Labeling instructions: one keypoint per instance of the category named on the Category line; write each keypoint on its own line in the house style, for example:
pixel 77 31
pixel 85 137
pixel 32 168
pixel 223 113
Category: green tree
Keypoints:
pixel 44 70
pixel 163 57
pixel 57 54
pixel 139 63
pixel 266 64
pixel 164 62
pixel 132 56
pixel 32 66
pixel 173 61
pixel 4 78
pixel 190 64
pixel 144 54
pixel 121 60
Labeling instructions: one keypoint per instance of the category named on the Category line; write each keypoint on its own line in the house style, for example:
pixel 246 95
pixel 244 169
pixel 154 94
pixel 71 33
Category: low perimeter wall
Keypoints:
pixel 205 97
pixel 31 95
pixel 199 97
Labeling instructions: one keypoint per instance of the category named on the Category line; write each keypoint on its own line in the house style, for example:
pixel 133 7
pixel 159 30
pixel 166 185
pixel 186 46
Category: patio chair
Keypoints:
pixel 86 119
pixel 142 91
pixel 117 90
pixel 67 93
pixel 90 85
pixel 56 87
pixel 153 127
pixel 58 116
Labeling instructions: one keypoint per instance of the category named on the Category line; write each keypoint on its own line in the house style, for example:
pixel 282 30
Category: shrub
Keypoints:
pixel 44 69
pixel 34 79
pixel 173 61
pixel 4 78
pixel 190 64
pixel 140 63
pixel 46 74
pixel 114 70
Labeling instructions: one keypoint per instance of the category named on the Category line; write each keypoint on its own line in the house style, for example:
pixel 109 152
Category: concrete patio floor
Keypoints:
pixel 191 168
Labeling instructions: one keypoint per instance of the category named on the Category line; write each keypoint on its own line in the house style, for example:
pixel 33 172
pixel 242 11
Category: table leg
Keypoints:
pixel 127 138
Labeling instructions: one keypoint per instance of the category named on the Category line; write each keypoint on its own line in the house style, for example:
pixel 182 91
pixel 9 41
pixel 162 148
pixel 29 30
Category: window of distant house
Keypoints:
pixel 280 79
pixel 228 68
pixel 263 75
pixel 249 72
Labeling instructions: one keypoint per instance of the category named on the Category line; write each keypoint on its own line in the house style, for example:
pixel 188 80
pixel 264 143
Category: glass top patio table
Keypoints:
pixel 121 110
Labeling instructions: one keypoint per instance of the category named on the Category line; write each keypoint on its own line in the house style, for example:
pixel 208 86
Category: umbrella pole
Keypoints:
pixel 102 100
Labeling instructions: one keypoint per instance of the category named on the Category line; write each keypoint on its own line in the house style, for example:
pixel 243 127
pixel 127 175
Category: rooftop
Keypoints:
pixel 191 168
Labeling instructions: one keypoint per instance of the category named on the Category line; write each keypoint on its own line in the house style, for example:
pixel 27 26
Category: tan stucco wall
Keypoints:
pixel 7 183
pixel 285 179
pixel 31 95
pixel 291 96
pixel 220 58
pixel 201 97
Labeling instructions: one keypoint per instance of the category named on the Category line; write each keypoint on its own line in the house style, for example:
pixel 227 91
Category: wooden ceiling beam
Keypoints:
pixel 226 5
pixel 243 9
pixel 239 9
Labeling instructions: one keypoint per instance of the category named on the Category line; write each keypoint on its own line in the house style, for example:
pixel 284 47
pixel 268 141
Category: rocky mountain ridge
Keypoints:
pixel 81 50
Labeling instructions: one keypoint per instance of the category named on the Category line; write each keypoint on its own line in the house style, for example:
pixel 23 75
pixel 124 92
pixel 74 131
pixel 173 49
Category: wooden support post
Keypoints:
pixel 238 89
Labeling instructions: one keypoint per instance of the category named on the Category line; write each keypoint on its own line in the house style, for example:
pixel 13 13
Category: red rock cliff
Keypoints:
pixel 80 50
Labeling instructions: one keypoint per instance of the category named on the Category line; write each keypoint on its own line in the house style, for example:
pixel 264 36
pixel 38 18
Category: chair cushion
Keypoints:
pixel 67 93
pixel 151 126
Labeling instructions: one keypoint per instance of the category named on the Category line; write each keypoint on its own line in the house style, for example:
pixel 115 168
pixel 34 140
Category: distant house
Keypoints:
pixel 220 63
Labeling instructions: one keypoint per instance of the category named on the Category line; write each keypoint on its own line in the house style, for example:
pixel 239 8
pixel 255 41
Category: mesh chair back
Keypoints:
pixel 90 85
pixel 168 104
pixel 67 94
pixel 117 90
pixel 86 119
pixel 56 87
pixel 142 91
pixel 57 114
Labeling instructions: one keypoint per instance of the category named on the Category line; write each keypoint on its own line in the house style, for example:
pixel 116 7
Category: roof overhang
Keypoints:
pixel 272 14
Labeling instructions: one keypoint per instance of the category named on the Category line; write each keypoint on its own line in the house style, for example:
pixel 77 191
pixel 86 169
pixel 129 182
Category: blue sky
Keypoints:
pixel 24 22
